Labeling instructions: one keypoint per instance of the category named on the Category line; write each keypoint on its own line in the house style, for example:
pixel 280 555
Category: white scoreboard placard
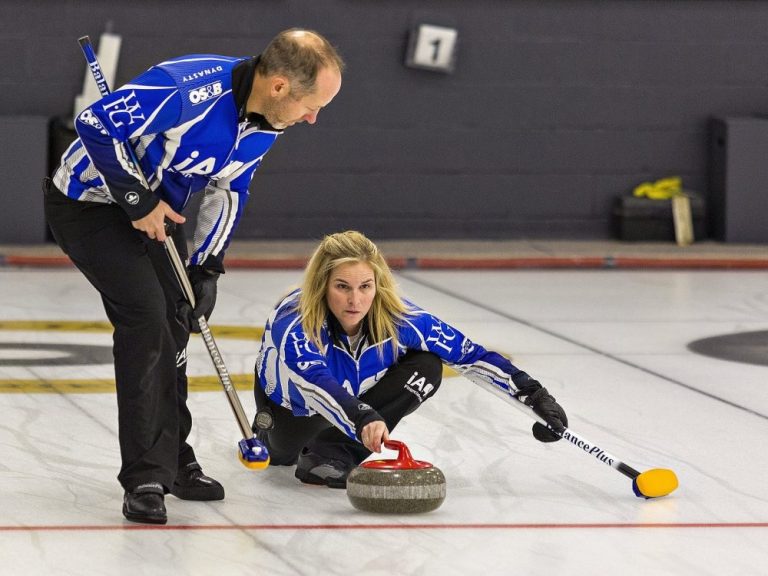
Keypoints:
pixel 432 47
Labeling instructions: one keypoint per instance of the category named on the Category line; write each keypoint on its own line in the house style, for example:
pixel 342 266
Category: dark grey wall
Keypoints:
pixel 555 106
pixel 21 217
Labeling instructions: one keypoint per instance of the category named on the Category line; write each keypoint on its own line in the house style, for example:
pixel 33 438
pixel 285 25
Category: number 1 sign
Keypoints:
pixel 432 47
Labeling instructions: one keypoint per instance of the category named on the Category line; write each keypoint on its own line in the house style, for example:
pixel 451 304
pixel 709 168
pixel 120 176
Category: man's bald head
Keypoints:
pixel 299 55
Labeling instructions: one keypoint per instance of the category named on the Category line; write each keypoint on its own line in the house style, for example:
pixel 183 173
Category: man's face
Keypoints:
pixel 286 110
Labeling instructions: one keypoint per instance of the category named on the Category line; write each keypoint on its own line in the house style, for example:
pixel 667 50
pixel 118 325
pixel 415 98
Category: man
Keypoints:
pixel 198 122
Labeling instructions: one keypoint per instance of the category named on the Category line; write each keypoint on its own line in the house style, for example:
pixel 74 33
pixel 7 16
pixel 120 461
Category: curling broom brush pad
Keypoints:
pixel 655 483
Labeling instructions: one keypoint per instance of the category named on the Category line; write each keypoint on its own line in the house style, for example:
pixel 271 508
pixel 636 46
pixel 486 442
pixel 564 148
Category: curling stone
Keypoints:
pixel 400 486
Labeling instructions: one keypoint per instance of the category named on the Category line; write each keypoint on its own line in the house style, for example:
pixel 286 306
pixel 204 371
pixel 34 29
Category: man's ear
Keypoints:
pixel 280 87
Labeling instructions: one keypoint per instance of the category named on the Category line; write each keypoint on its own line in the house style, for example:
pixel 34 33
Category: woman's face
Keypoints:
pixel 350 292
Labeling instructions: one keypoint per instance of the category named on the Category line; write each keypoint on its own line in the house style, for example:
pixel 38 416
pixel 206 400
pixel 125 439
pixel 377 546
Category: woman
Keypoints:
pixel 344 358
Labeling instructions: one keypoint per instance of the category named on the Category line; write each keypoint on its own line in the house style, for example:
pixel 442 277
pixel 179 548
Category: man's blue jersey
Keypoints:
pixel 189 133
pixel 328 380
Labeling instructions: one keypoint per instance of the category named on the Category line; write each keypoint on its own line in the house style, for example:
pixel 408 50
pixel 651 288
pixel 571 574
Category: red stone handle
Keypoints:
pixel 404 460
pixel 404 457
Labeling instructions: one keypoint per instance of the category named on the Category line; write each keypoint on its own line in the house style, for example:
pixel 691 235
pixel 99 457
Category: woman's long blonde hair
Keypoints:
pixel 387 309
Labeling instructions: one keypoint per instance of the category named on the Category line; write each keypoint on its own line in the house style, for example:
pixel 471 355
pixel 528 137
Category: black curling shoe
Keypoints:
pixel 312 468
pixel 145 504
pixel 192 484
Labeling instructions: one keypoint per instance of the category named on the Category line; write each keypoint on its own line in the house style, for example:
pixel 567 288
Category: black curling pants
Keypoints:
pixel 393 397
pixel 140 294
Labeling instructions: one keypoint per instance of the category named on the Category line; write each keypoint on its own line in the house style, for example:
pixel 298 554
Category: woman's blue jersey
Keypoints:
pixel 328 380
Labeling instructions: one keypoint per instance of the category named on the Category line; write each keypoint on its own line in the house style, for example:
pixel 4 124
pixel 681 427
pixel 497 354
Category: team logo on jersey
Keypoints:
pixel 206 92
pixel 191 166
pixel 124 110
pixel 301 344
pixel 307 365
pixel 87 117
pixel 132 198
pixel 442 335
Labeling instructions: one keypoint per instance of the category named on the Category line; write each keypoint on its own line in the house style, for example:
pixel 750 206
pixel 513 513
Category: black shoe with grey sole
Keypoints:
pixel 312 468
pixel 192 484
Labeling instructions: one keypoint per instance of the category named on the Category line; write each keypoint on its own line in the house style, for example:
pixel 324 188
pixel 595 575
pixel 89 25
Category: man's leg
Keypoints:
pixel 113 256
pixel 190 482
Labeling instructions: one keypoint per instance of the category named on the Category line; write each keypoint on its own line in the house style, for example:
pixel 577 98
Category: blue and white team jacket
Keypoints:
pixel 187 126
pixel 306 380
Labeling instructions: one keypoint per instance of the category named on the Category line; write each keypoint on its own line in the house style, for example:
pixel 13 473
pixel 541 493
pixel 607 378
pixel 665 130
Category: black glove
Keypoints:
pixel 203 283
pixel 537 397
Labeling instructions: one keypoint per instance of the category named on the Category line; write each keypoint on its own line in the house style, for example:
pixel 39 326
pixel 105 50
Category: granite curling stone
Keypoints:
pixel 401 486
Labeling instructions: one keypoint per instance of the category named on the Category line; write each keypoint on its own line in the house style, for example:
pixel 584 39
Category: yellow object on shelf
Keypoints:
pixel 663 189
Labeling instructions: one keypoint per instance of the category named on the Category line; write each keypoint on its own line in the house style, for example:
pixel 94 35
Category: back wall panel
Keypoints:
pixel 555 107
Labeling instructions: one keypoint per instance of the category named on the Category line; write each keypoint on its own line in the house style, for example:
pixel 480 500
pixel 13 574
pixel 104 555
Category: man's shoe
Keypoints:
pixel 192 484
pixel 146 504
pixel 315 469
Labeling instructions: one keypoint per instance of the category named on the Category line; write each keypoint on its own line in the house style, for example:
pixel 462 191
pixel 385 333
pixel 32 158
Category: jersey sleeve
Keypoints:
pixel 423 331
pixel 220 211
pixel 147 105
